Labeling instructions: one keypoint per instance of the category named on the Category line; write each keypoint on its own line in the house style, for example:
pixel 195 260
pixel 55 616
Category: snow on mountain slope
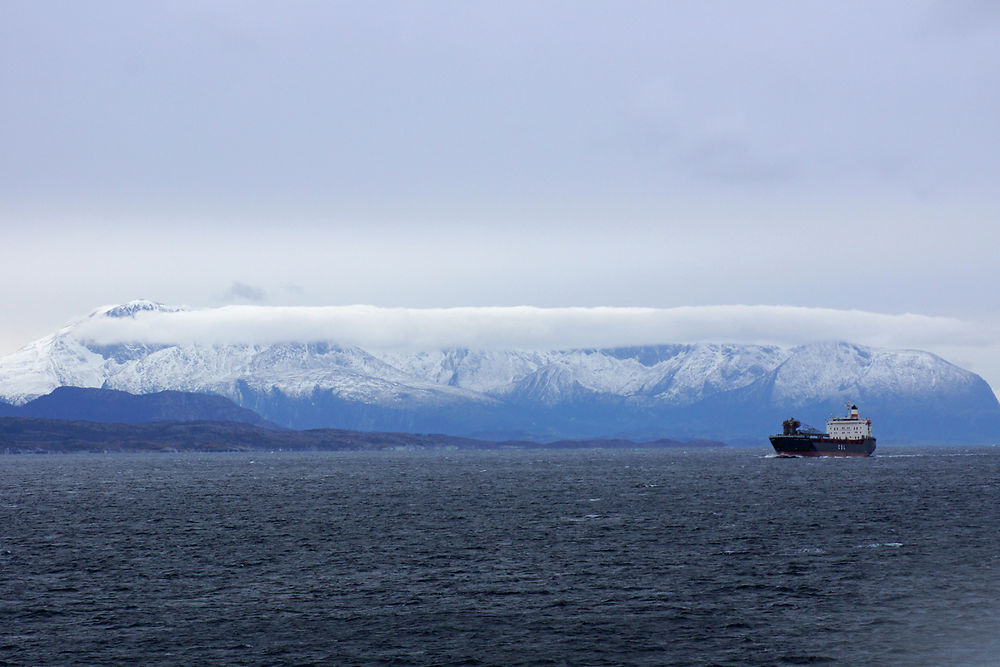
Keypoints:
pixel 922 373
pixel 819 371
pixel 825 371
pixel 54 361
pixel 294 369
pixel 678 374
pixel 704 370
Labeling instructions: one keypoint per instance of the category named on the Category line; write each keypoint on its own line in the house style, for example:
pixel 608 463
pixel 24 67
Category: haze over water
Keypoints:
pixel 724 557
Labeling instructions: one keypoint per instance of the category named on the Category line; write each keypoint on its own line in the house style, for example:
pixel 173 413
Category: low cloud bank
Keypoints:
pixel 525 327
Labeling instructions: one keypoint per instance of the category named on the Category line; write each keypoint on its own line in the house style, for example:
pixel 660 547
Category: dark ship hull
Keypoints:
pixel 821 445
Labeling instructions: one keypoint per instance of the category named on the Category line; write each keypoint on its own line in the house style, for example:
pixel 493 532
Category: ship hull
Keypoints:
pixel 805 445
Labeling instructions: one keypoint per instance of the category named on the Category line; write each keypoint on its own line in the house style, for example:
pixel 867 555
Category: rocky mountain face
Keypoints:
pixel 728 392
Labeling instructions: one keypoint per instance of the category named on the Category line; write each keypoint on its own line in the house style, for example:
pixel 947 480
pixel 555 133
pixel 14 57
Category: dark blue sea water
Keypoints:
pixel 725 557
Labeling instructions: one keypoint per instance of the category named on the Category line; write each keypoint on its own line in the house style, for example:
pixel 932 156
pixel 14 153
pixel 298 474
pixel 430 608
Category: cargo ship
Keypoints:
pixel 845 436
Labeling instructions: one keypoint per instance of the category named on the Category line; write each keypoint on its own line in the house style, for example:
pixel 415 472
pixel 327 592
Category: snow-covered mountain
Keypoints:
pixel 703 390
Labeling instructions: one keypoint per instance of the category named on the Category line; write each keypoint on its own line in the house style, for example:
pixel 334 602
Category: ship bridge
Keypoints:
pixel 851 427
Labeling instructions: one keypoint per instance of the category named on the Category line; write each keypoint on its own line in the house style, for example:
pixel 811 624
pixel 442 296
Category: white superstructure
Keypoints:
pixel 851 427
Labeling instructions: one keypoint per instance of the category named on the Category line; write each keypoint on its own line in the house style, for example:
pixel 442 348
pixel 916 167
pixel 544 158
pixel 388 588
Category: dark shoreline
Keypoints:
pixel 23 435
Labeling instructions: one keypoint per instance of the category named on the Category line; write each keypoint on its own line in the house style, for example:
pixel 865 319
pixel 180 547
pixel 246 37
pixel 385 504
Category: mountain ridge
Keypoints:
pixel 110 405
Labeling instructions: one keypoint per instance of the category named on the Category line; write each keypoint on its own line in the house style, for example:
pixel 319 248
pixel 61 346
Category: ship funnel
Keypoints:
pixel 854 411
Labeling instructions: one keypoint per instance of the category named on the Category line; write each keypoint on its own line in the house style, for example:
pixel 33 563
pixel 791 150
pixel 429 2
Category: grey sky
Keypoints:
pixel 817 154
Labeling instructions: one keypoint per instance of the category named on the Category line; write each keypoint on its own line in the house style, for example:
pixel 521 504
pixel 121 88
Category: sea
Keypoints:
pixel 724 556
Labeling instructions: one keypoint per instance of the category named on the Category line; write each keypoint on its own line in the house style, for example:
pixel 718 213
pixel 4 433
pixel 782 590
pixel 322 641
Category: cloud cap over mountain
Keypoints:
pixel 521 327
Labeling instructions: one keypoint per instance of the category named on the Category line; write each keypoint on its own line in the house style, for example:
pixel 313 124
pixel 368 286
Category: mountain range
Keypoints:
pixel 721 391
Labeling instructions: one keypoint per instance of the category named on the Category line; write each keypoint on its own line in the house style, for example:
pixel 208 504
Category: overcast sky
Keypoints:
pixel 830 156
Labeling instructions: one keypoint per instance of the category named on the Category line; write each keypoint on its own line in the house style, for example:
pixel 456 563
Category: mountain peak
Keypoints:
pixel 130 308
